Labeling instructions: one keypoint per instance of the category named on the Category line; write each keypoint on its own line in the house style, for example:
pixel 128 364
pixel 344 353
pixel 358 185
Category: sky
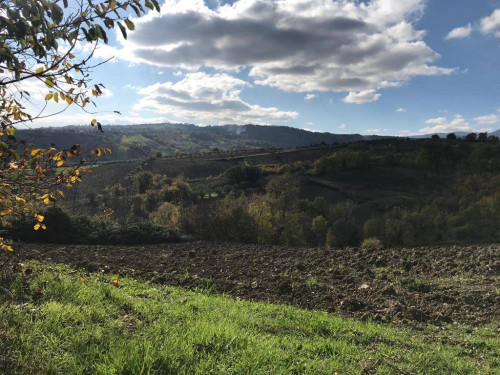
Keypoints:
pixel 397 67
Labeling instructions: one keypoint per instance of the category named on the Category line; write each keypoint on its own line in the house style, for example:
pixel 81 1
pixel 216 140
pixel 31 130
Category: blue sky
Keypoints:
pixel 381 66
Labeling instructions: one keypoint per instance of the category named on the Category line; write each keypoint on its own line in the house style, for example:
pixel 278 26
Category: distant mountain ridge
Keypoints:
pixel 458 134
pixel 139 141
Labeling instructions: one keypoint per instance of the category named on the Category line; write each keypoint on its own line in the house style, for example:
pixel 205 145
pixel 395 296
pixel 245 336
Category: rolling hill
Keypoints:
pixel 142 141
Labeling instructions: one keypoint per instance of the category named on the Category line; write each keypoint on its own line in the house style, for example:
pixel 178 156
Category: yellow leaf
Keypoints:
pixel 49 96
pixel 35 151
pixel 39 218
pixel 46 201
pixel 69 100
pixel 59 163
pixel 39 70
pixel 56 97
pixel 37 226
pixel 82 280
pixel 60 193
pixel 115 281
pixel 10 131
pixel 6 247
pixel 19 199
pixel 93 122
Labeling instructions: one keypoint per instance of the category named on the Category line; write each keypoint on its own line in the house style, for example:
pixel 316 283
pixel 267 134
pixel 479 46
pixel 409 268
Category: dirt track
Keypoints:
pixel 434 284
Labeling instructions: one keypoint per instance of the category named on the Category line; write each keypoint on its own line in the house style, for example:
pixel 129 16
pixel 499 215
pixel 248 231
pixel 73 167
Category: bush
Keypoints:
pixel 330 239
pixel 61 228
pixel 167 216
pixel 143 181
pixel 340 161
pixel 243 173
pixel 372 243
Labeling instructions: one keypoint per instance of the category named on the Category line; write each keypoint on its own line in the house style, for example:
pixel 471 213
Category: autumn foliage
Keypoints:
pixel 49 43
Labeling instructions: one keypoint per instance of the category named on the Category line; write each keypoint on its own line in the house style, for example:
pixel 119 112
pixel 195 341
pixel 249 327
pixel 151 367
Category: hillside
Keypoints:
pixel 142 141
pixel 394 192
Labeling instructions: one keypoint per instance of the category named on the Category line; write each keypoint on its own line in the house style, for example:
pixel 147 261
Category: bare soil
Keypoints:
pixel 436 285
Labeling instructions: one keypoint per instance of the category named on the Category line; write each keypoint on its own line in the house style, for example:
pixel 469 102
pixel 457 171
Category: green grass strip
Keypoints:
pixel 68 322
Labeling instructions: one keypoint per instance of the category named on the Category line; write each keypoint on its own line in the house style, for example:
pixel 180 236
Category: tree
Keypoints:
pixel 471 137
pixel 435 137
pixel 451 137
pixel 482 137
pixel 40 43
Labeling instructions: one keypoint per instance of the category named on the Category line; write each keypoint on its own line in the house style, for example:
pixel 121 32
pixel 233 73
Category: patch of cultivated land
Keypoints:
pixel 438 285
pixel 62 321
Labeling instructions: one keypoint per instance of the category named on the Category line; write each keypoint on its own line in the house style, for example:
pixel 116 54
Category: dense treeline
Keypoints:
pixel 459 202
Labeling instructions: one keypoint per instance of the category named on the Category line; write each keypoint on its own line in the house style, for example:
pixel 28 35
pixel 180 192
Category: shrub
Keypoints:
pixel 330 239
pixel 319 227
pixel 167 216
pixel 143 181
pixel 372 243
pixel 243 173
pixel 340 161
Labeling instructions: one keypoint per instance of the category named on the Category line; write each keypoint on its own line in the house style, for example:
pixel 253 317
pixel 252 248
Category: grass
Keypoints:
pixel 122 152
pixel 63 321
pixel 137 139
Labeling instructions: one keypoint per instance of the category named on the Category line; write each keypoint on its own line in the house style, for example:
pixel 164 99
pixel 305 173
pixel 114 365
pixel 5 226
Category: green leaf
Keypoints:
pixel 123 30
pixel 130 24
pixel 49 82
pixel 72 35
pixel 157 6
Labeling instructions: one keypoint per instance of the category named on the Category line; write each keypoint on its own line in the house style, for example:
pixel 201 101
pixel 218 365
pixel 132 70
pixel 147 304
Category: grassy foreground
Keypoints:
pixel 68 322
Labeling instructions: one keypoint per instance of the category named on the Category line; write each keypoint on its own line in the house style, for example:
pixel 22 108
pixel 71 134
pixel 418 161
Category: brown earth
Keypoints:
pixel 425 284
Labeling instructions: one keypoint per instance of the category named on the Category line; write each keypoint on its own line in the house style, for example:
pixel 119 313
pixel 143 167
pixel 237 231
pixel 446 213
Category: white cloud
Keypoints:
pixel 312 130
pixel 77 117
pixel 202 97
pixel 376 131
pixel 443 125
pixel 343 126
pixel 362 97
pixel 178 73
pixel 491 24
pixel 294 45
pixel 460 32
pixel 106 93
pixel 310 96
pixel 401 110
pixel 487 120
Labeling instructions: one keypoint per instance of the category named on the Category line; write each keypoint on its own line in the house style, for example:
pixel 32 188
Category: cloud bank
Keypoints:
pixel 201 96
pixel 294 45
